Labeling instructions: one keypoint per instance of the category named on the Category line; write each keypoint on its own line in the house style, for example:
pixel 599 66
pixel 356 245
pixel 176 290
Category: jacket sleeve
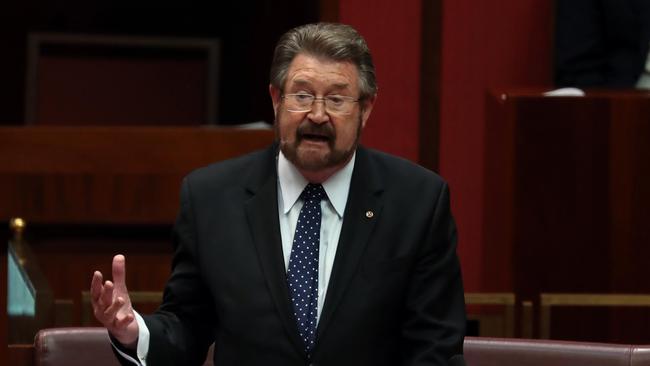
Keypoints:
pixel 433 329
pixel 182 329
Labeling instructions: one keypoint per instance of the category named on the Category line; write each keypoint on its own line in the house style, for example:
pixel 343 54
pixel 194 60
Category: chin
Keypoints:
pixel 312 160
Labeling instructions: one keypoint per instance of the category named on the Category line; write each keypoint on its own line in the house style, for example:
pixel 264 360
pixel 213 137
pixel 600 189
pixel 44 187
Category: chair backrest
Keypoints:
pixel 481 351
pixel 79 346
pixel 72 347
pixel 640 355
pixel 91 346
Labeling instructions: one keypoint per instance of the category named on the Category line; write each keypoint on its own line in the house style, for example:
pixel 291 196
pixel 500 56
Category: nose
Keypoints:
pixel 318 114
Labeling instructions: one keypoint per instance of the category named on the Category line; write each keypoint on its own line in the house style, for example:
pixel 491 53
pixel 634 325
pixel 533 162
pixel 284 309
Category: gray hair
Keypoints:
pixel 332 41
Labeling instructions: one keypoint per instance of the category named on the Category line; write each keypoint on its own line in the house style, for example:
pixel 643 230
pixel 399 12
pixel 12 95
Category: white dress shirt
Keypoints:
pixel 290 185
pixel 337 187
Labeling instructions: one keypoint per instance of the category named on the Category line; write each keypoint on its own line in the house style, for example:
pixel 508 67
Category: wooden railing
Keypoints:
pixel 551 300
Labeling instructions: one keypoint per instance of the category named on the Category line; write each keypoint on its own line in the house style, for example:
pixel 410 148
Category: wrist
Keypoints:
pixel 125 341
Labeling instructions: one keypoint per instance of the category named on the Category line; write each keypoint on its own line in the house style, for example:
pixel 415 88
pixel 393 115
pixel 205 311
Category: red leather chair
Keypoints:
pixel 91 346
pixel 535 352
pixel 73 346
pixel 80 346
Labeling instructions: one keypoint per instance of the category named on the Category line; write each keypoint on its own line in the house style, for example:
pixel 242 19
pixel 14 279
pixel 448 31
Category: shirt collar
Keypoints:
pixel 292 183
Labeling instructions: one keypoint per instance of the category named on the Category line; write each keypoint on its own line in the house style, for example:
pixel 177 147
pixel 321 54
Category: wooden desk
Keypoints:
pixel 566 198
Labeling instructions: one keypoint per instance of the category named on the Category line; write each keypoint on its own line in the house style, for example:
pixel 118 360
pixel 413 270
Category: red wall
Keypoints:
pixel 485 46
pixel 393 35
pixel 492 45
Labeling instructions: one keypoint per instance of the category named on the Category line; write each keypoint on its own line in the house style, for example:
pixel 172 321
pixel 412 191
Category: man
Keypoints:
pixel 314 251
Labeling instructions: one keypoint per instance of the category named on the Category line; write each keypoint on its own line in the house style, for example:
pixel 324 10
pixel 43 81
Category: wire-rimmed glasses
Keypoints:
pixel 334 104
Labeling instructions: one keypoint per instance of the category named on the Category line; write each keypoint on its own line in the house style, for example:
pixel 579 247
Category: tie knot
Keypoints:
pixel 313 192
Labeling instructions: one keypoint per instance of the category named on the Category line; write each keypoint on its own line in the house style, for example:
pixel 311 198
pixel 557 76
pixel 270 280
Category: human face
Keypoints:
pixel 318 141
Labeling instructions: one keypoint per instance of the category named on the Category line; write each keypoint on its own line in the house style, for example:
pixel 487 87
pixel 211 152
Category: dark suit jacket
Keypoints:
pixel 395 295
pixel 601 43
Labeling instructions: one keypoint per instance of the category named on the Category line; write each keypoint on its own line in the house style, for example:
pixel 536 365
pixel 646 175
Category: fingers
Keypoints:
pixel 106 299
pixel 96 287
pixel 123 320
pixel 119 317
pixel 110 301
pixel 111 311
pixel 119 271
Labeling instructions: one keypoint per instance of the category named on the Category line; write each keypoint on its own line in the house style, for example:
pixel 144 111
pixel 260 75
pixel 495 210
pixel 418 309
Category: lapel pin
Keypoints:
pixel 370 214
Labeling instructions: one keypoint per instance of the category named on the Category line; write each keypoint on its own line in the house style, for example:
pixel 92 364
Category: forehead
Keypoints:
pixel 313 71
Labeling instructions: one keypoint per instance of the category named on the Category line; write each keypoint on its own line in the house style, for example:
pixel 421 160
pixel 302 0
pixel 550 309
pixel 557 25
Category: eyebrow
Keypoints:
pixel 301 82
pixel 341 86
pixel 338 86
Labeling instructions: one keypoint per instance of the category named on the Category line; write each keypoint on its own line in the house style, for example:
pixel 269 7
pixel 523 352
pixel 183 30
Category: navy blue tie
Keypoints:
pixel 302 273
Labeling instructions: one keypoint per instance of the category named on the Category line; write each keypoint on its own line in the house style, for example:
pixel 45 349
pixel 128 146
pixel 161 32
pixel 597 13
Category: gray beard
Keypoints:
pixel 333 158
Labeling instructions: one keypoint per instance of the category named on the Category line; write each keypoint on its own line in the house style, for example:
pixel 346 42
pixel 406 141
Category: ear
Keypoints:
pixel 367 108
pixel 275 98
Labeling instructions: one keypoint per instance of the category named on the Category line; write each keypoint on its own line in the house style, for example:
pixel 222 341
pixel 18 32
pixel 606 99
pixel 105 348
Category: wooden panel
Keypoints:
pixel 560 193
pixel 68 256
pixel 629 192
pixel 567 191
pixel 108 175
pixel 88 193
pixel 122 149
pixel 77 79
pixel 20 355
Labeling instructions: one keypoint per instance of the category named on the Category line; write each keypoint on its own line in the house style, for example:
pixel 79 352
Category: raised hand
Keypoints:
pixel 112 305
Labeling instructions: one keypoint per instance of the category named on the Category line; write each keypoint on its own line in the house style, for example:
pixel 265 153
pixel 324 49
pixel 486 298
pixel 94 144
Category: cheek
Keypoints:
pixel 347 131
pixel 287 127
pixel 346 134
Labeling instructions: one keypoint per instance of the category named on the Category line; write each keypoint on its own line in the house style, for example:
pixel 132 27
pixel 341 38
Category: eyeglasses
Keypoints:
pixel 334 104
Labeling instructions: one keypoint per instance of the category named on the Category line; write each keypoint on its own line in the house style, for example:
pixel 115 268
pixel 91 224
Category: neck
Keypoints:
pixel 319 176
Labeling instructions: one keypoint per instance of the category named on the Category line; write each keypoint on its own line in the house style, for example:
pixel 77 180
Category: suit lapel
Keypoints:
pixel 262 213
pixel 362 210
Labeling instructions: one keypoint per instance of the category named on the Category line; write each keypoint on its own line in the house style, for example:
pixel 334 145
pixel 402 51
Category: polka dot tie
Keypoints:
pixel 302 273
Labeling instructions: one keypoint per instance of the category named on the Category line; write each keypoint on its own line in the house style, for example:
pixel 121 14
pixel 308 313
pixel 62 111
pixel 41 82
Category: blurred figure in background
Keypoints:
pixel 602 43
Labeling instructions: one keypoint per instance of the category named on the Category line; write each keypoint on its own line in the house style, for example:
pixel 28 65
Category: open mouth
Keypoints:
pixel 315 138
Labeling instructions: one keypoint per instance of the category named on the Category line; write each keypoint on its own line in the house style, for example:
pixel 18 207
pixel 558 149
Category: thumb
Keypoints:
pixel 119 272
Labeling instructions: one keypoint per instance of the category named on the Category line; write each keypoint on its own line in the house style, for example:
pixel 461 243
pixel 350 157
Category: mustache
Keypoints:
pixel 309 128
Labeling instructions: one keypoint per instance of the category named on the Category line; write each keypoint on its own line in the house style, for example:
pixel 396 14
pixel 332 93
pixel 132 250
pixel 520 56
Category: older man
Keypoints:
pixel 313 251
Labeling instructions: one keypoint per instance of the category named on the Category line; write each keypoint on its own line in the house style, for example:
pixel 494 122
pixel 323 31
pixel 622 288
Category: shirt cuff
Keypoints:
pixel 142 348
pixel 143 339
